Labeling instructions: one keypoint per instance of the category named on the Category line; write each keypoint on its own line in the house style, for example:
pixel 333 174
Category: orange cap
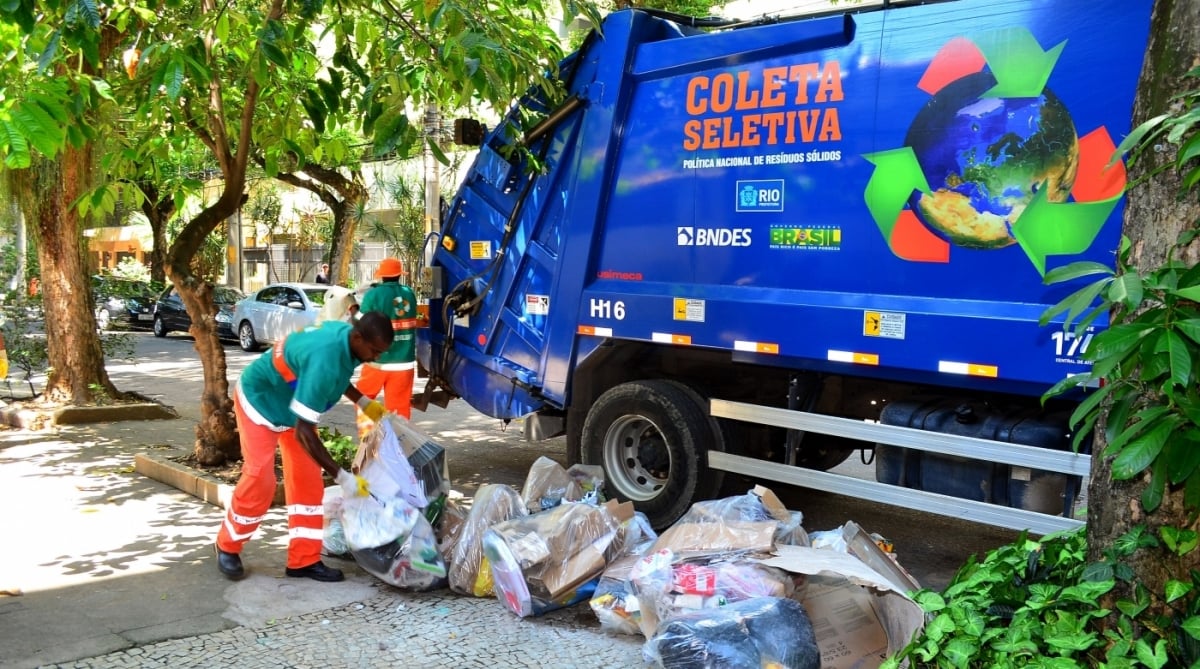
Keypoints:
pixel 389 267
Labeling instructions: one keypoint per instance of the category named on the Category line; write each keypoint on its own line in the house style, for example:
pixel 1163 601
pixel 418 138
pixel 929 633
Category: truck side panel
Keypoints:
pixel 878 194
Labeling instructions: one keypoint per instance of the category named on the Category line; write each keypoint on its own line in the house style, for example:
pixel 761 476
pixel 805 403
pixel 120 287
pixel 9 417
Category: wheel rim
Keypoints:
pixel 159 328
pixel 636 458
pixel 102 319
pixel 246 336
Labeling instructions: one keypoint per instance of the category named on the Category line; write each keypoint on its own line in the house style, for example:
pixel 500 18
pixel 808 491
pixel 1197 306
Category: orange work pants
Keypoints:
pixel 304 490
pixel 396 385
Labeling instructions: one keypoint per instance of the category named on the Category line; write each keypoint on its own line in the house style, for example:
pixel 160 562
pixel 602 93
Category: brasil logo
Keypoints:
pixel 993 159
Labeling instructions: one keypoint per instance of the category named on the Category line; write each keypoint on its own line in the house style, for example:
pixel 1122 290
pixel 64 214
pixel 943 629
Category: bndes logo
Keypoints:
pixel 689 236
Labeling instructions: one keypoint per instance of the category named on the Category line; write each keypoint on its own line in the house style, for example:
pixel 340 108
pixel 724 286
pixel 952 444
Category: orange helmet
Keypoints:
pixel 389 267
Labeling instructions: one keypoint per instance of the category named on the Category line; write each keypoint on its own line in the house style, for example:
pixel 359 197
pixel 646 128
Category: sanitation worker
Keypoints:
pixel 394 371
pixel 279 399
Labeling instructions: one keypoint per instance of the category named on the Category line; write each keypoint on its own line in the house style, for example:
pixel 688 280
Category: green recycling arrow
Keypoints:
pixel 1052 228
pixel 1017 61
pixel 897 174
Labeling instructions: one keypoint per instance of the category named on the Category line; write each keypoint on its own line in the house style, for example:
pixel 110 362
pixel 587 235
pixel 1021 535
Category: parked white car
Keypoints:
pixel 276 311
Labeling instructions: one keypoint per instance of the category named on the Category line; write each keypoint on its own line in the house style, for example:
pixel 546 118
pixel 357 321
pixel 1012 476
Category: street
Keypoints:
pixel 483 450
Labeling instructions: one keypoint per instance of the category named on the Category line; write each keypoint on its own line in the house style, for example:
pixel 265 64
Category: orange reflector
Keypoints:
pixel 756 347
pixel 667 338
pixel 853 357
pixel 968 369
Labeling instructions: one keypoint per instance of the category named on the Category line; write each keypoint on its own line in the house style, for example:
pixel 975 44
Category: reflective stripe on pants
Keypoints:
pixel 303 488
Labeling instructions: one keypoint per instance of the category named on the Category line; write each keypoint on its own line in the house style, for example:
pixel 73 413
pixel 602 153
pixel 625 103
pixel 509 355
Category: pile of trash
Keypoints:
pixel 735 582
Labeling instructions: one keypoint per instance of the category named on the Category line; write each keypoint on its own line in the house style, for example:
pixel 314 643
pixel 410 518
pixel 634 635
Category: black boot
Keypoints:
pixel 230 564
pixel 317 571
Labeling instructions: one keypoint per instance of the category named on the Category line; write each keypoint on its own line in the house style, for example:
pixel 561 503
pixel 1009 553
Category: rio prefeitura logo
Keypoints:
pixel 993 159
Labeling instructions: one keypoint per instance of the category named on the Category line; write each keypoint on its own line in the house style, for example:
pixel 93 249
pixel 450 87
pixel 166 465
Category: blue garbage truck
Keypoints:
pixel 753 248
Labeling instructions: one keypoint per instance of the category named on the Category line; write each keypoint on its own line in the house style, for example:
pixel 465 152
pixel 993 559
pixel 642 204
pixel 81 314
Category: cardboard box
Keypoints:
pixel 757 536
pixel 860 616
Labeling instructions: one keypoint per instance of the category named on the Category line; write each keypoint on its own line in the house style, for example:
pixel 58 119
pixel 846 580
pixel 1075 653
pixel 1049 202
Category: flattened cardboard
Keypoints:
pixel 711 537
pixel 859 615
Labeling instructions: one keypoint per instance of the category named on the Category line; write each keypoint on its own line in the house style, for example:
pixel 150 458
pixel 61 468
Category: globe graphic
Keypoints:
pixel 985 158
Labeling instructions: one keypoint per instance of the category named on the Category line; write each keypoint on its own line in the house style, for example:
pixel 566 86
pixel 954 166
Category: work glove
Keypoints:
pixel 352 484
pixel 371 409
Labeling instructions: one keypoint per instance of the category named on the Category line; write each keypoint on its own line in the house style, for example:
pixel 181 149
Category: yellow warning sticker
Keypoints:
pixel 887 324
pixel 481 249
pixel 689 310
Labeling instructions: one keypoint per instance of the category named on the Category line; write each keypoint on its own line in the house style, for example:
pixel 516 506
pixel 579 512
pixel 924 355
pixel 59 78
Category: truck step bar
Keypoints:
pixel 935 442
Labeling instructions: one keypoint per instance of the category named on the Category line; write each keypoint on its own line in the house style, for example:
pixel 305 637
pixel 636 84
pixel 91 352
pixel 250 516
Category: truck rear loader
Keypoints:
pixel 754 248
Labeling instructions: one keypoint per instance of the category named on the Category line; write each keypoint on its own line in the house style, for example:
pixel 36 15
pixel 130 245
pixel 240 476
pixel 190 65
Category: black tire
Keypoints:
pixel 160 328
pixel 246 338
pixel 651 438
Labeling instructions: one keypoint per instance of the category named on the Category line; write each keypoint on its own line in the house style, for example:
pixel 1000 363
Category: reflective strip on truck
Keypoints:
pixel 755 347
pixel 967 369
pixel 853 357
pixel 593 331
pixel 668 338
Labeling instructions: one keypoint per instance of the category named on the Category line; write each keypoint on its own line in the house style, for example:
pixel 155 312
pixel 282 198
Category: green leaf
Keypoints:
pixel 1074 303
pixel 1181 359
pixel 1147 129
pixel 1140 452
pixel 437 152
pixel 1126 289
pixel 274 54
pixel 1188 151
pixel 1156 658
pixel 40 129
pixel 1118 415
pixel 1089 405
pixel 1182 457
pixel 17 149
pixel 1190 327
pixel 46 59
pixel 173 78
pixel 960 652
pixel 1192 627
pixel 1191 293
pixel 1152 494
pixel 1117 341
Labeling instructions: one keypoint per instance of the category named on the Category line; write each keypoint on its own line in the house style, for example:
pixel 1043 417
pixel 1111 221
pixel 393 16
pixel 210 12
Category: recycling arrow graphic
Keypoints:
pixel 1021 69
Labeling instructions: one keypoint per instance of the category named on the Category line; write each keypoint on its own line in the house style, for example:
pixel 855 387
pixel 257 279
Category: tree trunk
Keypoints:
pixel 76 361
pixel 1155 216
pixel 329 185
pixel 158 211
pixel 216 433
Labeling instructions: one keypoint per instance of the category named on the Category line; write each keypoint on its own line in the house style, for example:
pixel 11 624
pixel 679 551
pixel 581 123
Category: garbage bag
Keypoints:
pixel 751 634
pixel 469 568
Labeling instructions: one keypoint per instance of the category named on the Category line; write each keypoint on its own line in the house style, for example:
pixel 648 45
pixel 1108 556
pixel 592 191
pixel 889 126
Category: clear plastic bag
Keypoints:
pixel 394 542
pixel 548 484
pixel 469 569
pixel 669 585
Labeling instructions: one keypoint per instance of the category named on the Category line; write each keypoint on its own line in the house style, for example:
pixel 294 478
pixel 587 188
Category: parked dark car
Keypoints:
pixel 123 303
pixel 171 316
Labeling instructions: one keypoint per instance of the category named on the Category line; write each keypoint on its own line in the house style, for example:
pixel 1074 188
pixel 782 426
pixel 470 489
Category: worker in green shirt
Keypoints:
pixel 278 401
pixel 394 371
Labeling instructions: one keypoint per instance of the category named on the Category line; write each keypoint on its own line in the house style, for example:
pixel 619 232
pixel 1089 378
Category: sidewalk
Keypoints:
pixel 107 568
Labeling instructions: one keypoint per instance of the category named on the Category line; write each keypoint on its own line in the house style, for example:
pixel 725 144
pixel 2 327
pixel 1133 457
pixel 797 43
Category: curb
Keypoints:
pixel 163 469
pixel 28 419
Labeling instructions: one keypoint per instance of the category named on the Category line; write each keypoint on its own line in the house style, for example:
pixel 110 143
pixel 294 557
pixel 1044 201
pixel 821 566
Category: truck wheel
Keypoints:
pixel 651 438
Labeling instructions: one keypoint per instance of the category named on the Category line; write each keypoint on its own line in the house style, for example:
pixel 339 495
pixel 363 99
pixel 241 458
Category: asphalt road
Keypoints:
pixel 483 450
